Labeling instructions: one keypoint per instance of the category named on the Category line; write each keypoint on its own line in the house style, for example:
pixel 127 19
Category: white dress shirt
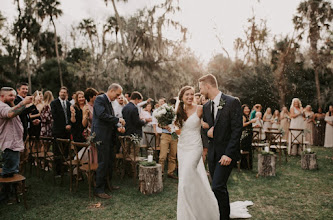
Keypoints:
pixel 216 101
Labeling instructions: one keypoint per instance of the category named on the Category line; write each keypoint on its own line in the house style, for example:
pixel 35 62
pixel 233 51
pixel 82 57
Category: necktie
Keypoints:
pixel 213 112
pixel 65 111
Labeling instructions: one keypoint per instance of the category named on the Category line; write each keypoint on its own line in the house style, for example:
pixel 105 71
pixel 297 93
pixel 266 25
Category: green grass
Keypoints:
pixel 293 194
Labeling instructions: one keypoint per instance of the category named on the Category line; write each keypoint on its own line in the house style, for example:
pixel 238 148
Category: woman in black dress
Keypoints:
pixel 79 124
pixel 246 139
pixel 319 130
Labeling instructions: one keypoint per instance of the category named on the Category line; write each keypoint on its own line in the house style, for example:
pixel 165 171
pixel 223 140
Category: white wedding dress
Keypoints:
pixel 196 199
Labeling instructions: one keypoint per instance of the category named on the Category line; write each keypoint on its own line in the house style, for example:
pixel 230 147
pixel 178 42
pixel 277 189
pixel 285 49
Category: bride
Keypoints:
pixel 196 199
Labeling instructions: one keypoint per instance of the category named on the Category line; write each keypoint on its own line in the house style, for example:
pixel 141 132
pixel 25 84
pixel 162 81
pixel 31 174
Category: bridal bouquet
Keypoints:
pixel 165 116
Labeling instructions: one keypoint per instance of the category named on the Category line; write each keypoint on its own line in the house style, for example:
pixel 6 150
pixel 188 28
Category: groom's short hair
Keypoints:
pixel 209 79
pixel 136 95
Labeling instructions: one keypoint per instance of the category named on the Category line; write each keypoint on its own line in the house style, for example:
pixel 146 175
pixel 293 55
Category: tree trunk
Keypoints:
pixel 266 165
pixel 150 179
pixel 57 53
pixel 28 67
pixel 120 24
pixel 309 162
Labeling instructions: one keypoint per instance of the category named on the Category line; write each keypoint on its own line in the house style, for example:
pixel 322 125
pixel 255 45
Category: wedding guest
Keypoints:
pixel 267 119
pixel 157 129
pixel 285 122
pixel 11 135
pixel 46 115
pixel 128 96
pixel 146 114
pixel 104 125
pixel 118 106
pixel 276 119
pixel 90 95
pixel 258 126
pixel 329 128
pixel 256 108
pixel 247 134
pixel 40 103
pixel 309 124
pixel 34 115
pixel 61 127
pixel 78 122
pixel 297 122
pixel 197 97
pixel 22 91
pixel 320 125
pixel 73 98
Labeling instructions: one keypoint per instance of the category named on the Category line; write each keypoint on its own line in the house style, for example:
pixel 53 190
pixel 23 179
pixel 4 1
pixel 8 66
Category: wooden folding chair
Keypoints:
pixel 78 160
pixel 90 169
pixel 46 154
pixel 274 139
pixel 34 150
pixel 152 143
pixel 294 135
pixel 64 148
pixel 129 152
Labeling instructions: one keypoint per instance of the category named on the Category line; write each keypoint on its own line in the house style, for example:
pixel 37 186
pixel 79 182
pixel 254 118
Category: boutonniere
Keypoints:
pixel 221 104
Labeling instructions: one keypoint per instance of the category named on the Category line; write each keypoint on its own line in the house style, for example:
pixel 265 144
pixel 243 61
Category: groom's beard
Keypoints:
pixel 11 104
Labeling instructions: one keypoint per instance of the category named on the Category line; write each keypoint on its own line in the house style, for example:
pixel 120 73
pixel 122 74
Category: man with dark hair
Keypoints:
pixel 128 96
pixel 22 92
pixel 104 125
pixel 61 127
pixel 197 98
pixel 131 115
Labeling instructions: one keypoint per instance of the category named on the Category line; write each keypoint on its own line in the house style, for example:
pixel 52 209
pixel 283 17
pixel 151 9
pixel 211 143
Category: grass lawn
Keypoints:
pixel 293 194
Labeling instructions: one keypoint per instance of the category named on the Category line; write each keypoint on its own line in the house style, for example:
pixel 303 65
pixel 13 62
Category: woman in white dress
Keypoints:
pixel 267 119
pixel 309 124
pixel 196 199
pixel 329 128
pixel 276 119
pixel 297 122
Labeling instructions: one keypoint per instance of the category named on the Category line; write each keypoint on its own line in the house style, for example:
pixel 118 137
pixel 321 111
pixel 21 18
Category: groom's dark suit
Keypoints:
pixel 227 132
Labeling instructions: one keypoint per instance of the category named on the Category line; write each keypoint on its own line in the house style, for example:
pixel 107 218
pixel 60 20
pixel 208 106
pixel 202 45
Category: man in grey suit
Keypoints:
pixel 104 125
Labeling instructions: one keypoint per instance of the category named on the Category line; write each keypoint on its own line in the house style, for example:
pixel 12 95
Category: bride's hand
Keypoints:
pixel 204 125
pixel 210 132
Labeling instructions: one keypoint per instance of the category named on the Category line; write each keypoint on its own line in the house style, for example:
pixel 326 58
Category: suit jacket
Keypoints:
pixel 133 122
pixel 228 127
pixel 58 115
pixel 24 116
pixel 104 121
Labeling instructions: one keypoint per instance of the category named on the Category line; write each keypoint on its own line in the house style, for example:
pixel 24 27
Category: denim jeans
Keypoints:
pixel 11 162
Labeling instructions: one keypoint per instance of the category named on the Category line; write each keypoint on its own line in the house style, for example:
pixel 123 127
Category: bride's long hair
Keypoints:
pixel 181 115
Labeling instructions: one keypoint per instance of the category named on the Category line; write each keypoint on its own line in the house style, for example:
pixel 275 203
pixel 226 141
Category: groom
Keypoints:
pixel 224 117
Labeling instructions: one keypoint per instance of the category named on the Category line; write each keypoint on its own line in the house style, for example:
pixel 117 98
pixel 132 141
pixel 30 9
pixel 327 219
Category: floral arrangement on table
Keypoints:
pixel 166 116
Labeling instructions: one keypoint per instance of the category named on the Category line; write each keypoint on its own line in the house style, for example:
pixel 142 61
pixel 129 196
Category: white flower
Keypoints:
pixel 163 111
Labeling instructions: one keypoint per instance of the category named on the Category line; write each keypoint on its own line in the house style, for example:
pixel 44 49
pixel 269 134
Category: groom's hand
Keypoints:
pixel 210 132
pixel 225 160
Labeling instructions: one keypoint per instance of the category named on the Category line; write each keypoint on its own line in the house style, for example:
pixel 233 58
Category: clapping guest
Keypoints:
pixel 258 125
pixel 276 119
pixel 297 122
pixel 319 131
pixel 285 122
pixel 79 123
pixel 267 119
pixel 246 141
pixel 46 115
pixel 34 116
pixel 61 127
pixel 309 124
pixel 256 108
pixel 146 114
pixel 329 128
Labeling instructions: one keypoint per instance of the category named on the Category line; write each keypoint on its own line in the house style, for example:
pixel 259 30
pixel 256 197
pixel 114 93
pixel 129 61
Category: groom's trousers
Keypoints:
pixel 220 175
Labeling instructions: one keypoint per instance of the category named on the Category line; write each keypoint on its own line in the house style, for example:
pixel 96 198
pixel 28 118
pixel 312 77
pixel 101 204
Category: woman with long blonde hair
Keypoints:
pixel 297 122
pixel 46 115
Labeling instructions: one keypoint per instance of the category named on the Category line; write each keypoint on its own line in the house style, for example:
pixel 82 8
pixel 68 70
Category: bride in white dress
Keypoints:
pixel 196 199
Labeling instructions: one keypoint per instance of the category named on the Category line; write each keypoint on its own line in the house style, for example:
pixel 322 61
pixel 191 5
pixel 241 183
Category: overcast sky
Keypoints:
pixel 203 18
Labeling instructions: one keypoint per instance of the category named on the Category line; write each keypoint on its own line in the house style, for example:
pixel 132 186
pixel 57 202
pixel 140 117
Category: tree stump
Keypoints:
pixel 150 179
pixel 309 162
pixel 266 165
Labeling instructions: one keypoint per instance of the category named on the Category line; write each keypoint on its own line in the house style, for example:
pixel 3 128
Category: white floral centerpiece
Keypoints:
pixel 166 116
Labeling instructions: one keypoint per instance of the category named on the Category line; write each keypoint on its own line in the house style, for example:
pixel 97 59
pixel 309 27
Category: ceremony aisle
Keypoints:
pixel 293 194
